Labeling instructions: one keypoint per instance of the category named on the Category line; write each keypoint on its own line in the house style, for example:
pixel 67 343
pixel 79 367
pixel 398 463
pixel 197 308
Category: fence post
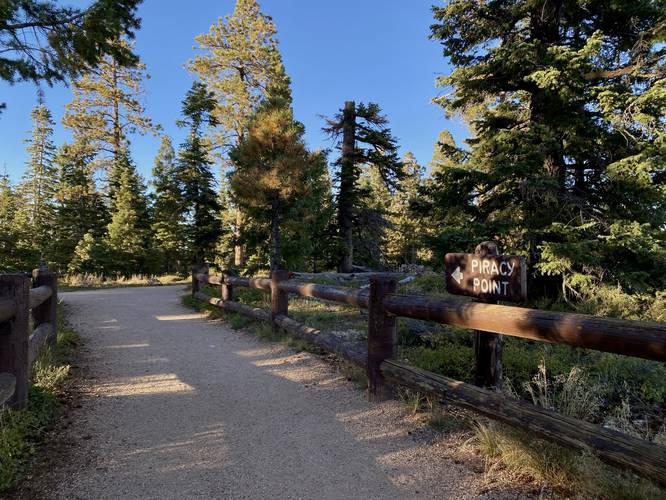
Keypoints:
pixel 14 335
pixel 487 346
pixel 196 284
pixel 47 311
pixel 382 337
pixel 226 289
pixel 279 298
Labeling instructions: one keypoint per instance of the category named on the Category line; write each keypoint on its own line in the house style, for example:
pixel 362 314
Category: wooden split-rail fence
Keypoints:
pixel 27 323
pixel 378 357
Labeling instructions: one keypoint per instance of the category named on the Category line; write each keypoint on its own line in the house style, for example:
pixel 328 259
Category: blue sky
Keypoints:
pixel 363 50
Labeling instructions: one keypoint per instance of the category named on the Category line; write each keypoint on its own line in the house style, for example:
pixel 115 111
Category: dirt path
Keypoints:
pixel 180 406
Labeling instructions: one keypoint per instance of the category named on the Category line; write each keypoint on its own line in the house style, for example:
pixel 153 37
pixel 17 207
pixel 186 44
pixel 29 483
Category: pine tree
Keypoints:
pixel 106 110
pixel 366 142
pixel 567 164
pixel 128 230
pixel 272 170
pixel 168 210
pixel 8 235
pixel 41 41
pixel 241 60
pixel 39 183
pixel 406 229
pixel 90 256
pixel 79 208
pixel 198 183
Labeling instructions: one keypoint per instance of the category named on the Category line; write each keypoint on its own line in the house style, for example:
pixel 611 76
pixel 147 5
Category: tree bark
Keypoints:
pixel 239 255
pixel 345 201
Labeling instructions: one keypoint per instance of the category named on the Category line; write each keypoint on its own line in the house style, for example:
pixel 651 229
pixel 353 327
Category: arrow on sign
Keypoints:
pixel 457 275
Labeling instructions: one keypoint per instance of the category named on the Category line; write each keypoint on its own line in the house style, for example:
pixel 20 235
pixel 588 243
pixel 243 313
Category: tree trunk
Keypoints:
pixel 545 27
pixel 239 255
pixel 345 201
pixel 114 176
pixel 275 233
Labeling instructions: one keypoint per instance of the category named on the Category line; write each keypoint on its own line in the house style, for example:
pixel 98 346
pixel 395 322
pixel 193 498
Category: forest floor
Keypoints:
pixel 173 404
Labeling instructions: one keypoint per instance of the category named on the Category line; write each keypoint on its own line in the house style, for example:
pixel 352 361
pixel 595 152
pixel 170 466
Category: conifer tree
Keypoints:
pixel 79 208
pixel 168 210
pixel 273 169
pixel 240 61
pixel 567 163
pixel 106 110
pixel 8 233
pixel 39 183
pixel 90 256
pixel 128 230
pixel 406 229
pixel 194 174
pixel 42 41
pixel 366 141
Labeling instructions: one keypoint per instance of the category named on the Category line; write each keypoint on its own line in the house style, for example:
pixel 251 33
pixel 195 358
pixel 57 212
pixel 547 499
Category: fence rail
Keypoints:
pixel 23 298
pixel 378 355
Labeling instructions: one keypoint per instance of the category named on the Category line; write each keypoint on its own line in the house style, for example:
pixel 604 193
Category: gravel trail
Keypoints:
pixel 180 406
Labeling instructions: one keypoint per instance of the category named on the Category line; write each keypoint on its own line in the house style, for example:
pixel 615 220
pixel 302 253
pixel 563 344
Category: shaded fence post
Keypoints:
pixel 279 298
pixel 14 335
pixel 196 284
pixel 487 346
pixel 47 310
pixel 382 337
pixel 226 290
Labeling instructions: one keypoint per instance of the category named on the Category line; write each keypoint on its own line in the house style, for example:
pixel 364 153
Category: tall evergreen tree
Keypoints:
pixel 240 61
pixel 366 141
pixel 567 163
pixel 273 168
pixel 8 233
pixel 195 176
pixel 128 233
pixel 80 209
pixel 39 182
pixel 168 210
pixel 406 229
pixel 106 110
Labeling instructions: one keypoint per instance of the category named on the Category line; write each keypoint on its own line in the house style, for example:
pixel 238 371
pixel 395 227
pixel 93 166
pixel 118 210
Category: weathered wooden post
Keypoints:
pixel 487 346
pixel 226 289
pixel 14 335
pixel 46 312
pixel 196 270
pixel 279 298
pixel 382 337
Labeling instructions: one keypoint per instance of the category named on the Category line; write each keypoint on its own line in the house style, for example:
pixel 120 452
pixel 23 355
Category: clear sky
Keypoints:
pixel 363 50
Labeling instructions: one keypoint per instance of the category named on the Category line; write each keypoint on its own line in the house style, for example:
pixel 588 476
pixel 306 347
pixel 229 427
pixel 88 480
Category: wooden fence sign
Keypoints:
pixel 488 277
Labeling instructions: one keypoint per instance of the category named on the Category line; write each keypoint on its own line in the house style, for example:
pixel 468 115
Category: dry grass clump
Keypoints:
pixel 565 472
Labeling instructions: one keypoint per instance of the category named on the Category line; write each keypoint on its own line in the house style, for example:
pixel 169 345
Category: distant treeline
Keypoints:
pixel 566 163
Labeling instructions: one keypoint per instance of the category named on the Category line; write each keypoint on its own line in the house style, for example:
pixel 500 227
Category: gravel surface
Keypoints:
pixel 180 406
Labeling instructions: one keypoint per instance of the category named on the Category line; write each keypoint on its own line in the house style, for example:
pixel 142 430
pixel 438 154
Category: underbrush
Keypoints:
pixel 22 431
pixel 92 280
